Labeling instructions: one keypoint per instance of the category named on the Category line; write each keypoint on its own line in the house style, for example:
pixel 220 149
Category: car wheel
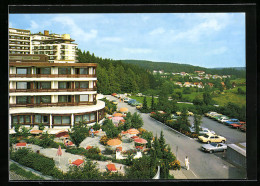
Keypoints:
pixel 223 141
pixel 211 151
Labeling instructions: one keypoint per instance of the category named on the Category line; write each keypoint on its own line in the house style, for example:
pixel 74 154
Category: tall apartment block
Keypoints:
pixel 56 94
pixel 58 48
pixel 46 85
pixel 19 41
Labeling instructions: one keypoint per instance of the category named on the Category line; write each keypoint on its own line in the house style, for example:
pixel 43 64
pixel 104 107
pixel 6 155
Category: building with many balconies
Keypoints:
pixel 19 41
pixel 58 48
pixel 55 94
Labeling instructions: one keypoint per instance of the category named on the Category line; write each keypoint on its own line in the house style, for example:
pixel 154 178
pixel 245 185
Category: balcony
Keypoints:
pixel 52 75
pixel 53 104
pixel 53 90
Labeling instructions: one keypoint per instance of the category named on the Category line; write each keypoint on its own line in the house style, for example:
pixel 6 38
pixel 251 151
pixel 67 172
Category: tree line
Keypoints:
pixel 115 76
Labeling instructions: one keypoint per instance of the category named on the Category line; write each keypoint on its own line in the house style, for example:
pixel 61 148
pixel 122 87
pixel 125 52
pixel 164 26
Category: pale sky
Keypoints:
pixel 200 39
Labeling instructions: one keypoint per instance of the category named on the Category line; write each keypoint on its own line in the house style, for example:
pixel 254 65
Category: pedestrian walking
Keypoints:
pixel 92 132
pixel 187 163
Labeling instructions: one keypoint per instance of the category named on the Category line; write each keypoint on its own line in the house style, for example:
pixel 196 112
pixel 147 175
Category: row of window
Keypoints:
pixel 47 85
pixel 47 99
pixel 56 119
pixel 47 70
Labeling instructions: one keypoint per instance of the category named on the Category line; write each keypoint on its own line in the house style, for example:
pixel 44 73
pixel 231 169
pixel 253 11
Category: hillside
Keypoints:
pixel 176 67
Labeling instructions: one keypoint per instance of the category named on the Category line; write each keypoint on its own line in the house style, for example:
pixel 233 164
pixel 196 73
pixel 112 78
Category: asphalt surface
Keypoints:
pixel 202 165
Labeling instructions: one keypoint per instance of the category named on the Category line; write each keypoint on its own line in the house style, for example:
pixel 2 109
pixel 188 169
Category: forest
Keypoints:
pixel 115 76
pixel 175 67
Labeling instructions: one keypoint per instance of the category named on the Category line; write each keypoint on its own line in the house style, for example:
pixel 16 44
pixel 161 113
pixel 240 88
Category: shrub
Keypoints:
pixel 19 154
pixel 104 139
pixel 43 164
pixel 175 165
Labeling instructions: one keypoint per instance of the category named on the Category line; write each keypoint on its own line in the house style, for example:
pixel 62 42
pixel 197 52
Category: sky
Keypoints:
pixel 200 39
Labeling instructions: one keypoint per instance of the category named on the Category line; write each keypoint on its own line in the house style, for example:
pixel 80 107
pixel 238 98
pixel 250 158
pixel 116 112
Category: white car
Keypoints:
pixel 206 131
pixel 223 120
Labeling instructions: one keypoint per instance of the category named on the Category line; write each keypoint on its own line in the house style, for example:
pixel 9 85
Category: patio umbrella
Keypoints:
pixel 61 133
pixel 134 137
pixel 114 142
pixel 117 115
pixel 59 153
pixel 133 131
pixel 116 119
pixel 140 140
pixel 123 109
pixel 36 131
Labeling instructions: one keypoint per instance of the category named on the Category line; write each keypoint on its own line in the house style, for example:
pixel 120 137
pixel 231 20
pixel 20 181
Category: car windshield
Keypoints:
pixel 214 144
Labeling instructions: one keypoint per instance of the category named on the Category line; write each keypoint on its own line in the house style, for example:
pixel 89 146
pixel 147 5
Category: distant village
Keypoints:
pixel 199 75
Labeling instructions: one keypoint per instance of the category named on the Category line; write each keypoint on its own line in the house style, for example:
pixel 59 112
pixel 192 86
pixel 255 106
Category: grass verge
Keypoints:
pixel 27 174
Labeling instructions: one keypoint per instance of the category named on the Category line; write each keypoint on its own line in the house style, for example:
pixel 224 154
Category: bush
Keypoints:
pixel 104 139
pixel 28 174
pixel 19 154
pixel 175 165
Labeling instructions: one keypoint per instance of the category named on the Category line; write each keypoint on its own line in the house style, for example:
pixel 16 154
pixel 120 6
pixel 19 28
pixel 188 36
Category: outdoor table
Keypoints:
pixel 111 167
pixel 78 162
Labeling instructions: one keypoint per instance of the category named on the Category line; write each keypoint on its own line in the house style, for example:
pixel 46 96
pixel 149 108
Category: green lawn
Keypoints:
pixel 193 95
pixel 229 96
pixel 140 99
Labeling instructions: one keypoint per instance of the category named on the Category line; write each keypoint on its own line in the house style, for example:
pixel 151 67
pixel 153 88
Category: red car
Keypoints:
pixel 237 125
pixel 243 128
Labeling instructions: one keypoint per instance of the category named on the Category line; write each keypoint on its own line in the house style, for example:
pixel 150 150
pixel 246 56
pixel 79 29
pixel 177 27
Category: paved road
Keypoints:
pixel 202 165
pixel 232 135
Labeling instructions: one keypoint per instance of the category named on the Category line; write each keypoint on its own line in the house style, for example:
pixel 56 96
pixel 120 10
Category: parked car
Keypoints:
pixel 205 131
pixel 126 99
pixel 210 114
pixel 237 125
pixel 243 128
pixel 190 113
pixel 231 121
pixel 133 103
pixel 209 138
pixel 130 101
pixel 139 106
pixel 223 120
pixel 217 116
pixel 114 102
pixel 214 147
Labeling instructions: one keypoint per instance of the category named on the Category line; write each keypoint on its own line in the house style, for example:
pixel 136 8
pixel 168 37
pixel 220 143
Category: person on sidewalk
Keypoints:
pixel 187 163
pixel 92 132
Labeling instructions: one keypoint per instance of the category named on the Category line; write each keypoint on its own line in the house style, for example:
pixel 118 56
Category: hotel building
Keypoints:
pixel 58 48
pixel 58 94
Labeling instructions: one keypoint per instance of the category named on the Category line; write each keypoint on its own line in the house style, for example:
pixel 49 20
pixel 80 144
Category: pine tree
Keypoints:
pixel 144 108
pixel 153 104
pixel 197 122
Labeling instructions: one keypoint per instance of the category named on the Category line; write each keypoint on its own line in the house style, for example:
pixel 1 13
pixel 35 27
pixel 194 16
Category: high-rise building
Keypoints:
pixel 56 94
pixel 58 48
pixel 19 41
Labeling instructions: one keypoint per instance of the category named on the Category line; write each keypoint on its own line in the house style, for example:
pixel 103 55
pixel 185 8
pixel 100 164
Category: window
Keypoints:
pixel 23 99
pixel 83 97
pixel 21 119
pixel 81 71
pixel 81 84
pixel 22 70
pixel 64 85
pixel 61 120
pixel 42 99
pixel 43 85
pixel 64 70
pixel 92 116
pixel 78 118
pixel 41 119
pixel 23 85
pixel 64 99
pixel 43 70
pixel 86 118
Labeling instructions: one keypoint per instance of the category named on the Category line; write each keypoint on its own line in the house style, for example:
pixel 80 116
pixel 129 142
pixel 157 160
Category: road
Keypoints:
pixel 202 165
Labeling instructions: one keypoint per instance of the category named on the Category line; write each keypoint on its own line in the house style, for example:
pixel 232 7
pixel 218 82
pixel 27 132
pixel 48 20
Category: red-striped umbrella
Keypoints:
pixel 140 140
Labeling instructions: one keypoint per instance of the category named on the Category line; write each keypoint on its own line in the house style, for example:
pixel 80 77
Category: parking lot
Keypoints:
pixel 232 135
